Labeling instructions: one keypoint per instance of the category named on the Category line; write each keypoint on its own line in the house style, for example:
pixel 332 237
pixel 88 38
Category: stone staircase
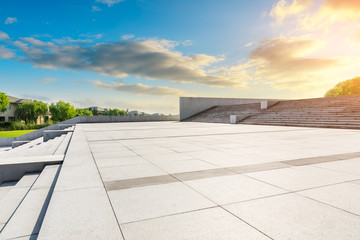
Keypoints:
pixel 23 204
pixel 221 114
pixel 333 112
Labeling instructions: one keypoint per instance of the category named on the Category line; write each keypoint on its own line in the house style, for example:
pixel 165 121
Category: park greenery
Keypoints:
pixel 4 102
pixel 29 112
pixel 348 87
pixel 83 112
pixel 115 112
pixel 62 111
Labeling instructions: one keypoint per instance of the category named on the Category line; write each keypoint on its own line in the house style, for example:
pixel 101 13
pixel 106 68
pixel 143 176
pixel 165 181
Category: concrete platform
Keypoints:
pixel 172 180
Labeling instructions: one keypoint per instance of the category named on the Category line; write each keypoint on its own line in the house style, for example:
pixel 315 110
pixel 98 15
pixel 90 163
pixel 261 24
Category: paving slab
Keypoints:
pixel 351 166
pixel 208 224
pixel 155 201
pixel 230 189
pixel 120 161
pixel 292 216
pixel 345 196
pixel 26 219
pixel 184 166
pixel 82 214
pixel 300 178
pixel 129 172
pixel 78 177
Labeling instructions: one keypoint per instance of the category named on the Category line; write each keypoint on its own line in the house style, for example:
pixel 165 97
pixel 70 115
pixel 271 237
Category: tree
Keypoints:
pixel 30 111
pixel 348 87
pixel 83 112
pixel 4 102
pixel 62 111
pixel 115 112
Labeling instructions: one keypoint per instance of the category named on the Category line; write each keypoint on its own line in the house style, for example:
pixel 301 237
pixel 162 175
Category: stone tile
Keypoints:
pixel 139 182
pixel 25 220
pixel 4 189
pixel 114 154
pixel 351 166
pixel 291 216
pixel 167 157
pixel 31 237
pixel 27 180
pixel 185 166
pixel 129 172
pixel 82 214
pixel 356 182
pixel 186 176
pixel 120 161
pixel 76 177
pixel 46 178
pixel 208 224
pixel 155 201
pixel 230 189
pixel 345 196
pixel 10 202
pixel 300 178
pixel 259 167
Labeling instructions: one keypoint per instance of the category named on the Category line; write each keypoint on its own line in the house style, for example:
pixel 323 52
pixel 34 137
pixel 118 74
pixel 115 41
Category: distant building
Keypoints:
pixel 99 109
pixel 9 114
pixel 134 113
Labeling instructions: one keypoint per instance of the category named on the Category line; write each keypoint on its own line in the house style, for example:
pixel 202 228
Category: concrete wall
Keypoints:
pixel 86 119
pixel 105 119
pixel 190 106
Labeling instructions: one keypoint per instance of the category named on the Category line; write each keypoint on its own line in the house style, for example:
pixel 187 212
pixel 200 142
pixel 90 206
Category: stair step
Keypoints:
pixel 28 217
pixel 10 202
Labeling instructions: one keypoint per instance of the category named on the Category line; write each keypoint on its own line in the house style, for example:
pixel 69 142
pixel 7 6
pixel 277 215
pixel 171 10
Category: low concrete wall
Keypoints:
pixel 86 119
pixel 190 106
pixel 105 119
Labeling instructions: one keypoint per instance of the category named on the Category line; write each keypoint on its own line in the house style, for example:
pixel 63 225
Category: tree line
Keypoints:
pixel 60 111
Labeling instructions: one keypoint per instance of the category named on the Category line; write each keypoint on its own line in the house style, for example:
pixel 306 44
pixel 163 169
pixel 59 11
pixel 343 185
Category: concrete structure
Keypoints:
pixel 189 106
pixel 332 112
pixel 186 180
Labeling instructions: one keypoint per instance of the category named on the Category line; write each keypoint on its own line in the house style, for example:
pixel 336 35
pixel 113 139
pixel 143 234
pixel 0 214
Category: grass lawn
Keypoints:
pixel 15 133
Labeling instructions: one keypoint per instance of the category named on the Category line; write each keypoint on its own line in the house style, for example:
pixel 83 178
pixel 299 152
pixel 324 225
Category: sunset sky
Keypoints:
pixel 144 54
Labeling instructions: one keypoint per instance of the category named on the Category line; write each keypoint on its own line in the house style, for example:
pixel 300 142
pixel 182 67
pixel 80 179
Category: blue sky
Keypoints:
pixel 143 55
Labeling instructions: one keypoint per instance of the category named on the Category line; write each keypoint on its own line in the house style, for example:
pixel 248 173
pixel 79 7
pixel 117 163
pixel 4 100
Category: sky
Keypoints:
pixel 144 54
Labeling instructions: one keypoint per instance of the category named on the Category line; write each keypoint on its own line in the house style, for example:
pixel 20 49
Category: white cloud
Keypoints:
pixel 10 20
pixel 6 53
pixel 139 89
pixel 68 40
pixel 127 36
pixel 249 44
pixel 109 2
pixel 283 62
pixel 187 43
pixel 3 36
pixel 95 9
pixel 48 80
pixel 148 58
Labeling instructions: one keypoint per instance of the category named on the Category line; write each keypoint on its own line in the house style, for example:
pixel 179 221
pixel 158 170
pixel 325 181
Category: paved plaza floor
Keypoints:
pixel 184 180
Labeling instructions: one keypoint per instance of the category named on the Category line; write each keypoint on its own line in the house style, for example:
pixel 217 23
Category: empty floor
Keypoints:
pixel 171 180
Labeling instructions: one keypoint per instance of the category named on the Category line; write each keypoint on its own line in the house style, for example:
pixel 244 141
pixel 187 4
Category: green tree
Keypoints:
pixel 348 87
pixel 115 112
pixel 4 102
pixel 30 111
pixel 62 111
pixel 83 112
